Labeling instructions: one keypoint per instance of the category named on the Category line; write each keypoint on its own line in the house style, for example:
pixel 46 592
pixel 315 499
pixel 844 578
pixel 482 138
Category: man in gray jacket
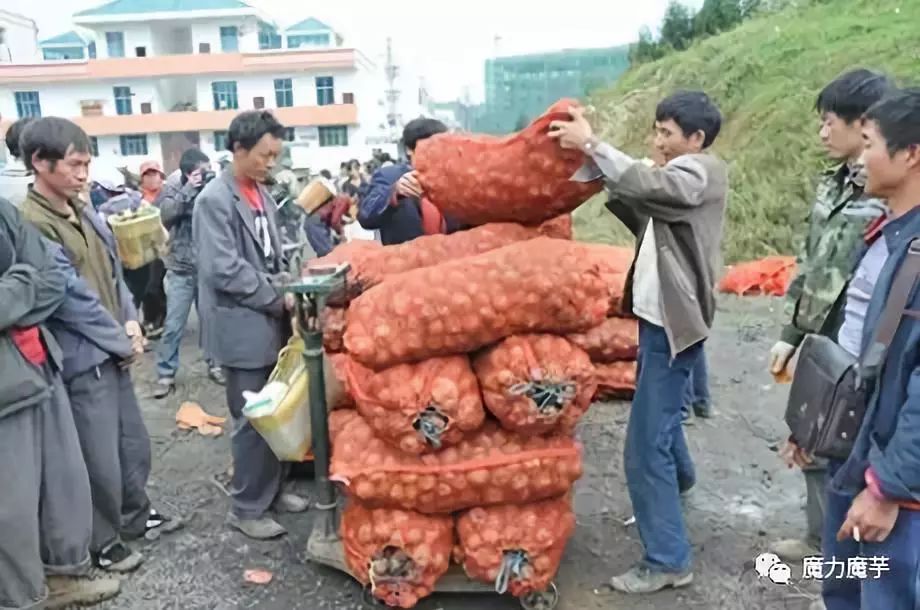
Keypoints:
pixel 240 271
pixel 45 507
pixel 176 203
pixel 677 212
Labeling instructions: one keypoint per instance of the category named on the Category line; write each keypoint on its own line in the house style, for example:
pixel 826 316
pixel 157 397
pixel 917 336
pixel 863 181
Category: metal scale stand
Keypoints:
pixel 325 547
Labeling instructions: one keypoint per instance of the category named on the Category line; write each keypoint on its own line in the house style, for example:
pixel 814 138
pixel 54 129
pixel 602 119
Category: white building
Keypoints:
pixel 18 38
pixel 147 79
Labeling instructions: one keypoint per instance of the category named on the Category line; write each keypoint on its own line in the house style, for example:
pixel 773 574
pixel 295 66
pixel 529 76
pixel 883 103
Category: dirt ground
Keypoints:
pixel 744 498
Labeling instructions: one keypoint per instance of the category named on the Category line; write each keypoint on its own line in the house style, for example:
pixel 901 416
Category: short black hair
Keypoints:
pixel 14 133
pixel 191 159
pixel 850 95
pixel 420 129
pixel 51 138
pixel 247 128
pixel 326 174
pixel 898 118
pixel 693 111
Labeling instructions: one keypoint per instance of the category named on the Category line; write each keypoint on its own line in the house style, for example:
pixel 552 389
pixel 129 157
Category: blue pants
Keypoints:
pixel 181 294
pixel 697 393
pixel 657 459
pixel 898 588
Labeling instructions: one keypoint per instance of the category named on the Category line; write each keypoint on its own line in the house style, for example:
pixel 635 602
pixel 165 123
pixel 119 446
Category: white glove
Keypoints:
pixel 780 355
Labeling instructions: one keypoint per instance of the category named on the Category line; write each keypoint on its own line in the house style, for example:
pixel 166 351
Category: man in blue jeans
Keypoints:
pixel 176 203
pixel 873 499
pixel 697 399
pixel 677 211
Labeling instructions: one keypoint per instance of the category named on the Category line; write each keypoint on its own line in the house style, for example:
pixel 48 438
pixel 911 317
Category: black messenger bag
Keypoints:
pixel 828 399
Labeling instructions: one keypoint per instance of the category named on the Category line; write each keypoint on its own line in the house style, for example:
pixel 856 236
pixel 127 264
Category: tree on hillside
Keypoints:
pixel 677 27
pixel 718 16
pixel 647 49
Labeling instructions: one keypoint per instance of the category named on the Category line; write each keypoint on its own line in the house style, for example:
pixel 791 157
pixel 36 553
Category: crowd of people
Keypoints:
pixel 70 328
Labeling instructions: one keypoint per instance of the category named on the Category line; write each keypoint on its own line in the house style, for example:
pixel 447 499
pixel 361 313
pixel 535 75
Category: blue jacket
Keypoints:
pixel 889 440
pixel 397 224
pixel 86 332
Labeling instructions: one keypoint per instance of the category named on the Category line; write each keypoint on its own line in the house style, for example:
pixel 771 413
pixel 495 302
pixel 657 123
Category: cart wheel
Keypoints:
pixel 543 600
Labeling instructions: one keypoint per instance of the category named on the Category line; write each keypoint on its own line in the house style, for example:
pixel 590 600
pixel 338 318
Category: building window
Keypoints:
pixel 115 41
pixel 258 103
pixel 284 92
pixel 94 145
pixel 134 145
pixel 325 90
pixel 289 134
pixel 229 39
pixel 140 51
pixel 348 98
pixel 269 38
pixel 146 108
pixel 204 48
pixel 28 104
pixel 225 95
pixel 64 53
pixel 336 135
pixel 308 40
pixel 220 141
pixel 91 48
pixel 123 97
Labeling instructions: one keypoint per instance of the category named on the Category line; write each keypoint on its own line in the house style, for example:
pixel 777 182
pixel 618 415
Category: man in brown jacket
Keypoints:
pixel 677 212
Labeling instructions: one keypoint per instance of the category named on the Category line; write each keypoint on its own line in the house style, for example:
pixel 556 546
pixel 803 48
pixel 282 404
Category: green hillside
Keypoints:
pixel 765 76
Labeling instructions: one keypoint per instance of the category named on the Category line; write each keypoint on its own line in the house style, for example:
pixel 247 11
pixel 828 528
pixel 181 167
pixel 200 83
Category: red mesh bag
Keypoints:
pixel 399 554
pixel 338 394
pixel 616 379
pixel 422 407
pixel 524 177
pixel 540 285
pixel 516 547
pixel 767 276
pixel 614 339
pixel 334 329
pixel 614 263
pixel 536 384
pixel 490 466
pixel 369 266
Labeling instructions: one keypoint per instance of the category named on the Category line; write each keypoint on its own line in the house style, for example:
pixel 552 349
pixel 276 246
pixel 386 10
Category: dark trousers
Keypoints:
pixel 147 291
pixel 657 459
pixel 116 449
pixel 257 473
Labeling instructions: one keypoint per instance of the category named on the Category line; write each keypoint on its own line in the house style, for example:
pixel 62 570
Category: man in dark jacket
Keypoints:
pixel 113 437
pixel 677 212
pixel 176 203
pixel 873 499
pixel 46 506
pixel 241 275
pixel 390 203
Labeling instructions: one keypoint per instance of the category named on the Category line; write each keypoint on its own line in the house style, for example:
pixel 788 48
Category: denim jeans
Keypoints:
pixel 898 588
pixel 181 294
pixel 657 460
pixel 697 393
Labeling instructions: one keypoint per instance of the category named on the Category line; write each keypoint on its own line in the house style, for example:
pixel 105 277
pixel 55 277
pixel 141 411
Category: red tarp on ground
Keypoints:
pixel 767 276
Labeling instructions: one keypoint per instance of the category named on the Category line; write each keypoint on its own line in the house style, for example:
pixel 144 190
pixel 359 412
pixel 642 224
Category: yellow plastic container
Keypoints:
pixel 280 413
pixel 139 235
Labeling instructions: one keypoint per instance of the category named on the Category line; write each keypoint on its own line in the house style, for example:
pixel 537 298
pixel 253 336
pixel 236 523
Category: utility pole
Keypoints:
pixel 394 119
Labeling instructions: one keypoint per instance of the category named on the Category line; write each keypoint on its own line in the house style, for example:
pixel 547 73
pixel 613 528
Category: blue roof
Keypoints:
pixel 70 37
pixel 309 25
pixel 126 7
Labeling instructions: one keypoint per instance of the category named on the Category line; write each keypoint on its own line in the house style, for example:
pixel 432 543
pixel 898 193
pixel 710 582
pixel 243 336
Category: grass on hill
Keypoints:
pixel 765 75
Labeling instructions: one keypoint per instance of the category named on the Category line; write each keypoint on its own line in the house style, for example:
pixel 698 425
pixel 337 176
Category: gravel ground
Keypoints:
pixel 744 498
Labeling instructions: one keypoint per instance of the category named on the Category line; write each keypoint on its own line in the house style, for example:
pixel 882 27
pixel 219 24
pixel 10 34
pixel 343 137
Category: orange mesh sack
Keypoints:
pixel 335 371
pixel 616 379
pixel 422 407
pixel 524 177
pixel 334 329
pixel 614 339
pixel 490 466
pixel 536 384
pixel 614 263
pixel 769 276
pixel 516 547
pixel 399 554
pixel 369 266
pixel 540 285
